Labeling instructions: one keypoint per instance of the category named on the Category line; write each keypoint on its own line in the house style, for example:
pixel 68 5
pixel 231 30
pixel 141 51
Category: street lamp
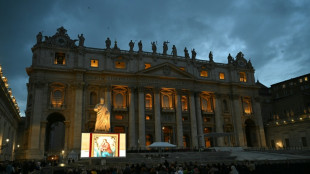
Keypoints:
pixel 6 144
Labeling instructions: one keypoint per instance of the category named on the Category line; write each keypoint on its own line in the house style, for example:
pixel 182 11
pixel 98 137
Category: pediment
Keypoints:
pixel 166 70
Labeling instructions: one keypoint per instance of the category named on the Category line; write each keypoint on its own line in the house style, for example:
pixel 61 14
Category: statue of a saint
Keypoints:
pixel 165 47
pixel 193 54
pixel 81 40
pixel 115 45
pixel 108 43
pixel 154 48
pixel 230 59
pixel 174 51
pixel 131 45
pixel 103 117
pixel 140 46
pixel 39 38
pixel 210 56
pixel 186 53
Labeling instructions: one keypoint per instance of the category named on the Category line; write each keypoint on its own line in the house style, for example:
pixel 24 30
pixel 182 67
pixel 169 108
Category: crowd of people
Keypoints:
pixel 245 167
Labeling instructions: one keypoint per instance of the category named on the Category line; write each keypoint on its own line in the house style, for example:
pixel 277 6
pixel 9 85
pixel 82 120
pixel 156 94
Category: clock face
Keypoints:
pixel 61 41
pixel 241 63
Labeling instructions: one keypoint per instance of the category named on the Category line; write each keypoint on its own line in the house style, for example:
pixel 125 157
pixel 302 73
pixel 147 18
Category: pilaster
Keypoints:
pixel 218 118
pixel 259 121
pixel 132 127
pixel 199 120
pixel 157 114
pixel 237 113
pixel 179 118
pixel 193 120
pixel 141 117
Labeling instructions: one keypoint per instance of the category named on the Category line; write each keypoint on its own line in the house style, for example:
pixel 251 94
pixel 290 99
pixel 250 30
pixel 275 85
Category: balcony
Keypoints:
pixel 167 109
pixel 120 108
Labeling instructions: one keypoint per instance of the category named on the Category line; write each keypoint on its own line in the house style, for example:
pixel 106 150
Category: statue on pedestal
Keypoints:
pixel 186 53
pixel 194 54
pixel 154 48
pixel 174 51
pixel 131 45
pixel 165 47
pixel 140 46
pixel 103 117
pixel 81 40
pixel 108 43
pixel 39 38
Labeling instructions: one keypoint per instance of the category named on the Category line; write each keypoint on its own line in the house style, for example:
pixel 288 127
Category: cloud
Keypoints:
pixel 273 34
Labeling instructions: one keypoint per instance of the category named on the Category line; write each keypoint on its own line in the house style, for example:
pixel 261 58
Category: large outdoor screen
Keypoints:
pixel 100 145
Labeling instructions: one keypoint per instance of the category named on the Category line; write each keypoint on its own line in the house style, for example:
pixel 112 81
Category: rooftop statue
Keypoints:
pixel 108 43
pixel 115 45
pixel 39 38
pixel 81 40
pixel 165 47
pixel 194 54
pixel 103 117
pixel 140 46
pixel 131 45
pixel 210 56
pixel 174 51
pixel 230 59
pixel 186 53
pixel 154 48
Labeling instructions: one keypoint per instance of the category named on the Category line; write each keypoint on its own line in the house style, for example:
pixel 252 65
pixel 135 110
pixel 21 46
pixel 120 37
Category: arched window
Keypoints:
pixel 184 103
pixel 148 101
pixel 242 77
pixel 119 100
pixel 93 98
pixel 148 140
pixel 206 103
pixel 165 101
pixel 247 106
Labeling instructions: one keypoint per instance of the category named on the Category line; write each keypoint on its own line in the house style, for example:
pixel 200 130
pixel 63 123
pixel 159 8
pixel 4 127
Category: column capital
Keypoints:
pixel 67 124
pixel 156 90
pixel 141 89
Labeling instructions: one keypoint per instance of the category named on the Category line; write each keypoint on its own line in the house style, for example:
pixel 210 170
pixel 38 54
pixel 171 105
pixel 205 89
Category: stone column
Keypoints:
pixel 141 118
pixel 199 121
pixel 77 123
pixel 259 121
pixel 179 133
pixel 132 125
pixel 42 136
pixel 157 114
pixel 67 136
pixel 237 113
pixel 219 119
pixel 193 120
pixel 35 124
pixel 107 98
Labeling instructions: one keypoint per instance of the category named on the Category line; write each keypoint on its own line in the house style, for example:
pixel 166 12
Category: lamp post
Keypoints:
pixel 6 144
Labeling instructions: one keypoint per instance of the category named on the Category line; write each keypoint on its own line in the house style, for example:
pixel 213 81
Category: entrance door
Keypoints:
pixel 55 134
pixel 250 131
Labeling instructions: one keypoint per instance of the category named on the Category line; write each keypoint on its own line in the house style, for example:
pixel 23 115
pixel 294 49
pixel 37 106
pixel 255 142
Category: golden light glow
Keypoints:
pixel 94 63
pixel 147 117
pixel 182 68
pixel 120 65
pixel 279 144
pixel 300 119
pixel 203 73
pixel 306 78
pixel 7 140
pixel 118 117
pixel 242 77
pixel 222 76
pixel 60 59
pixel 147 65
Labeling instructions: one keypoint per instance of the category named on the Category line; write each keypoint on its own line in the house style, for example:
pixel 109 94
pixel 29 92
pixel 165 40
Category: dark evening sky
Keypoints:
pixel 273 34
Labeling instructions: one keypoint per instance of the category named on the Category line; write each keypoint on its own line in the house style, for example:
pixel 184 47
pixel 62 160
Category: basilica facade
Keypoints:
pixel 151 97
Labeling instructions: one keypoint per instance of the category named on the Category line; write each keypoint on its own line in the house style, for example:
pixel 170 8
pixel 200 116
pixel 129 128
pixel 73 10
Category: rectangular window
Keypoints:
pixel 147 117
pixel 300 80
pixel 60 59
pixel 204 73
pixel 242 77
pixel 147 65
pixel 119 117
pixel 94 63
pixel 306 79
pixel 120 65
pixel 222 76
pixel 182 68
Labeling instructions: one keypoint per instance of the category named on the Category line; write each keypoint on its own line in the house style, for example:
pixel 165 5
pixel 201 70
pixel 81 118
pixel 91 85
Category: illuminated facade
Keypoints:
pixel 287 118
pixel 9 119
pixel 151 96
